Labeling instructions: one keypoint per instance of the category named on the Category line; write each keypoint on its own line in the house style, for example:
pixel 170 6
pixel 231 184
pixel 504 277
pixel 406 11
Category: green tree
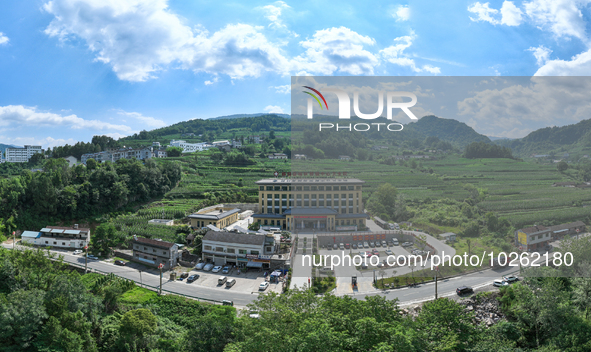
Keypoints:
pixel 136 328
pixel 174 151
pixel 21 317
pixel 104 238
pixel 562 166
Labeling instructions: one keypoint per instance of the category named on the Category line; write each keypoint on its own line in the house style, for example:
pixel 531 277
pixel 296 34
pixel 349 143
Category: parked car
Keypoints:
pixel 510 279
pixel 378 244
pixel 226 269
pixel 230 282
pixel 395 242
pixel 354 246
pixel 360 245
pixel 200 266
pixel 184 275
pixel 347 246
pixel 389 252
pixel 263 286
pixel 384 244
pixel 208 267
pixel 462 290
pixel 78 251
pixel 334 246
pixel 368 254
pixel 375 252
pixel 365 245
pixel 372 245
pixel 407 244
pixel 341 246
pixel 222 280
pixel 90 256
pixel 192 278
pixel 216 269
pixel 120 262
pixel 500 283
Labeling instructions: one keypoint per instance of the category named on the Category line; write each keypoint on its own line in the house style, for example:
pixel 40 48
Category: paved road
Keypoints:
pixel 241 299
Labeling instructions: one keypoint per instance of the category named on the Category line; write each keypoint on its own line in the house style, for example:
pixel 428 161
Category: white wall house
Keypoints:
pixel 22 155
pixel 58 237
pixel 190 147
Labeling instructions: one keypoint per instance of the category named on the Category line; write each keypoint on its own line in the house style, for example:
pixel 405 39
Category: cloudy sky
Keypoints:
pixel 75 68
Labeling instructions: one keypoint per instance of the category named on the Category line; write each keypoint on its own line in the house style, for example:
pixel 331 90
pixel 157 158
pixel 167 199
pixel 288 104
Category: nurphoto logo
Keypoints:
pixel 345 108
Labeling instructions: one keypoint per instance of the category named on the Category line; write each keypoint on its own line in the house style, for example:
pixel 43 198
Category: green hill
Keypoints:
pixel 448 130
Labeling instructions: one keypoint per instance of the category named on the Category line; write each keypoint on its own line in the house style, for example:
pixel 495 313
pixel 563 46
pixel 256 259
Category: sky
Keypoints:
pixel 71 69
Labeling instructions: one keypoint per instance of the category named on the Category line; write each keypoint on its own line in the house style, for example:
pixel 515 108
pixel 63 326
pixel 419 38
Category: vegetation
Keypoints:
pixel 486 150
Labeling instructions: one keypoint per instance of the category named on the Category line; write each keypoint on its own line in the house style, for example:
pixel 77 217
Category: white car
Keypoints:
pixel 388 252
pixel 208 267
pixel 216 269
pixel 395 242
pixel 90 256
pixel 365 245
pixel 78 251
pixel 200 266
pixel 500 283
pixel 263 286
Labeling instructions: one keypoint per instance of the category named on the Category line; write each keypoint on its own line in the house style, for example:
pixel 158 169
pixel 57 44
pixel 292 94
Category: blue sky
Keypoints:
pixel 75 68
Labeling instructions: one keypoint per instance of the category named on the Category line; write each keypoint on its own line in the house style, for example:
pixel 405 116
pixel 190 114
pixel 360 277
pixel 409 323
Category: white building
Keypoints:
pixel 277 156
pixel 130 153
pixel 190 147
pixel 71 160
pixel 242 250
pixel 58 237
pixel 236 143
pixel 221 143
pixel 22 155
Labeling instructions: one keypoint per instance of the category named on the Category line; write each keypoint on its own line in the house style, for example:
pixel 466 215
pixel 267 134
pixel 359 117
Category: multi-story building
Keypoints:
pixel 155 252
pixel 60 237
pixel 277 156
pixel 236 143
pixel 129 153
pixel 533 238
pixel 22 155
pixel 190 147
pixel 240 249
pixel 217 216
pixel 314 204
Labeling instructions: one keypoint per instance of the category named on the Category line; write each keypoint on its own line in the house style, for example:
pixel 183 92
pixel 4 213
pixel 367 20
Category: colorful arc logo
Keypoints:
pixel 315 97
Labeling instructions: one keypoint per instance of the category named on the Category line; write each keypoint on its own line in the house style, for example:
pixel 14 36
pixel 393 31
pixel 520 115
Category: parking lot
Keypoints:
pixel 245 282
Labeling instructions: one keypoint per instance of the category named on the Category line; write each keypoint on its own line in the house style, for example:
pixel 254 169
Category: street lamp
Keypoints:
pixel 160 266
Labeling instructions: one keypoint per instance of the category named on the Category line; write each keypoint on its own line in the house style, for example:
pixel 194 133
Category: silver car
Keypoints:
pixel 365 245
pixel 208 267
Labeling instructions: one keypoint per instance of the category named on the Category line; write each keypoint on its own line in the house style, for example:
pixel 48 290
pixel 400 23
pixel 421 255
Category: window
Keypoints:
pixel 219 249
pixel 343 188
pixel 145 248
pixel 350 188
pixel 207 248
pixel 269 188
pixel 277 188
pixel 284 188
pixel 298 188
pixel 231 250
pixel 306 203
pixel 262 188
pixel 321 196
pixel 153 250
pixel 329 203
pixel 306 188
pixel 63 243
pixel 320 203
pixel 321 188
pixel 254 252
pixel 163 252
pixel 313 196
pixel 242 251
pixel 350 195
pixel 314 188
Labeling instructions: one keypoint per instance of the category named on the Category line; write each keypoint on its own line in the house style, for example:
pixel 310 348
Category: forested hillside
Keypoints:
pixel 63 193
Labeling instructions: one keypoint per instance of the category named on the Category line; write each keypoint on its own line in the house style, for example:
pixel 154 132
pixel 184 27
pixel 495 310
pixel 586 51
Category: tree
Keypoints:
pixel 91 164
pixel 21 317
pixel 104 238
pixel 446 326
pixel 255 226
pixel 174 151
pixel 562 166
pixel 136 327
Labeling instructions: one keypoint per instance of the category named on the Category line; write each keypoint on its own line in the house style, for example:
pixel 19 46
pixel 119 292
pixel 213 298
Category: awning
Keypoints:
pixel 254 265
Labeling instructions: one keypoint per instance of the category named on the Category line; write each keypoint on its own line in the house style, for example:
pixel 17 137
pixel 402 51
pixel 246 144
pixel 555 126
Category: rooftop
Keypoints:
pixel 214 215
pixel 306 181
pixel 66 230
pixel 534 229
pixel 231 237
pixel 151 242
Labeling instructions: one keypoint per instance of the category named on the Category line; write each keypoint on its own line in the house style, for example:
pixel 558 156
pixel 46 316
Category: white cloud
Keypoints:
pixel 541 53
pixel 139 38
pixel 286 89
pixel 145 120
pixel 336 50
pixel 484 12
pixel 210 82
pixel 3 38
pixel 47 142
pixel 402 13
pixel 273 13
pixel 579 65
pixel 12 115
pixel 273 109
pixel 511 15
pixel 395 55
pixel 561 17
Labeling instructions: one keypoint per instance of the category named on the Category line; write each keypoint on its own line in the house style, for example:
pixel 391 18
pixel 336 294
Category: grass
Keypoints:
pixel 138 295
pixel 323 285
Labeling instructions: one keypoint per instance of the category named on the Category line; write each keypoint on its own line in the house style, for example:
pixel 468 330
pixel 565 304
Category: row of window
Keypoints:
pixel 539 237
pixel 342 210
pixel 310 196
pixel 229 250
pixel 153 250
pixel 309 188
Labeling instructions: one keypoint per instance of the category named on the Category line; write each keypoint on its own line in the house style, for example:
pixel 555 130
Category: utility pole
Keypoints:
pixel 160 267
pixel 14 238
pixel 436 272
pixel 86 259
pixel 141 281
